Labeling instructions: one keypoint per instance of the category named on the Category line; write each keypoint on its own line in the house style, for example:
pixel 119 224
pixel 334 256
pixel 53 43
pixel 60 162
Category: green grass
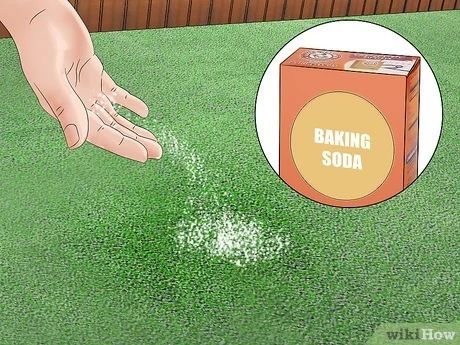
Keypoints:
pixel 88 240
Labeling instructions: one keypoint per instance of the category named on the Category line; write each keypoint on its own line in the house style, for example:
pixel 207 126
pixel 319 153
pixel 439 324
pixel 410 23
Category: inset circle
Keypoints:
pixel 356 36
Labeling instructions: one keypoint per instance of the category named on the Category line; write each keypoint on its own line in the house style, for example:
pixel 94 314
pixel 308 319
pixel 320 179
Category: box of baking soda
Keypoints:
pixel 349 125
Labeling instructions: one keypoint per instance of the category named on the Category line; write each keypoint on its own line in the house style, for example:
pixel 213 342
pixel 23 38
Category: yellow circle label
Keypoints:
pixel 342 145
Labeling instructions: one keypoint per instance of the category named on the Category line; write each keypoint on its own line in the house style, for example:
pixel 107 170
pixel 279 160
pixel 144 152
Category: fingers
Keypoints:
pixel 106 129
pixel 154 150
pixel 58 98
pixel 108 138
pixel 107 106
pixel 136 129
pixel 120 96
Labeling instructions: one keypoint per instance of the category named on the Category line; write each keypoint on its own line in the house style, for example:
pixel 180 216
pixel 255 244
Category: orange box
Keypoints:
pixel 349 125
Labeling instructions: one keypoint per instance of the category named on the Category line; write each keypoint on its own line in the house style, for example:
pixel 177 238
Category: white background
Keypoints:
pixel 355 36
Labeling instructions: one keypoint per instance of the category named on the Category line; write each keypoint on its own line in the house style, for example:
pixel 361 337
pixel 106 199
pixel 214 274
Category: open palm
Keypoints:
pixel 69 80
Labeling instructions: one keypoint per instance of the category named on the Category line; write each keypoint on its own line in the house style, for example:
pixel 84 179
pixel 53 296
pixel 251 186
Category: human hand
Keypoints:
pixel 69 80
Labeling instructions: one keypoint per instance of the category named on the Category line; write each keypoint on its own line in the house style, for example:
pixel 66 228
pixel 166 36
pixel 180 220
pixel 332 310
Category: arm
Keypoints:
pixel 19 16
pixel 16 14
pixel 57 57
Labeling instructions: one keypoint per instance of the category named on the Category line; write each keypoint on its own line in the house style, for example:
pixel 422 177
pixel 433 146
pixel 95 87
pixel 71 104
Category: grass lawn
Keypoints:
pixel 96 249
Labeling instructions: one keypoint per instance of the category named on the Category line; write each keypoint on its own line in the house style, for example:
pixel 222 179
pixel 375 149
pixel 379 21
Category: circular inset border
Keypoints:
pixel 433 131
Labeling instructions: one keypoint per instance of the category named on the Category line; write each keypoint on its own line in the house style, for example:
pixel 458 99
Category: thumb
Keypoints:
pixel 59 99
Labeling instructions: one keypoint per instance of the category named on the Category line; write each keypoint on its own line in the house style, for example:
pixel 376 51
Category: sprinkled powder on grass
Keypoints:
pixel 215 229
pixel 231 237
pixel 187 156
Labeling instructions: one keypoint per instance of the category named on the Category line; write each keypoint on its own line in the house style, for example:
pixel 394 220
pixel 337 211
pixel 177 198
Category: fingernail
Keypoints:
pixel 142 157
pixel 157 151
pixel 144 110
pixel 71 135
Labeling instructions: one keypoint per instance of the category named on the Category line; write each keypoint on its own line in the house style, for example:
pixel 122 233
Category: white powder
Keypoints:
pixel 214 229
pixel 229 236
pixel 185 155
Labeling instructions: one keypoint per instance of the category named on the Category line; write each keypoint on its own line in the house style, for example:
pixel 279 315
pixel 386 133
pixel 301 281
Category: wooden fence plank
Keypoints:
pixel 423 5
pixel 370 7
pixel 221 11
pixel 323 9
pixel 309 8
pixel 275 10
pixel 239 11
pixel 200 11
pixel 293 8
pixel 112 15
pixel 435 5
pixel 158 13
pixel 397 6
pixel 356 7
pixel 340 8
pixel 89 12
pixel 257 10
pixel 137 14
pixel 178 13
pixel 448 5
pixel 457 4
pixel 383 6
pixel 4 32
pixel 412 5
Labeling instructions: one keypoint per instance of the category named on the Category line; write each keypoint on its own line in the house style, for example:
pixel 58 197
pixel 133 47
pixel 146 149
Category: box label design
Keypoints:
pixel 358 62
pixel 342 145
pixel 379 66
pixel 348 125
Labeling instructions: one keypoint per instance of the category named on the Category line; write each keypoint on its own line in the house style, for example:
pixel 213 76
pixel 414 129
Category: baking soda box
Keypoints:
pixel 349 125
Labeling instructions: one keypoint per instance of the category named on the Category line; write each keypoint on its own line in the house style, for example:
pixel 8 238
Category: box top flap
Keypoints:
pixel 352 61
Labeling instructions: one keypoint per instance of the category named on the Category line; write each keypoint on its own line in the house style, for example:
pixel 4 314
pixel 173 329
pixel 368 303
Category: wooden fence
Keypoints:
pixel 112 15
